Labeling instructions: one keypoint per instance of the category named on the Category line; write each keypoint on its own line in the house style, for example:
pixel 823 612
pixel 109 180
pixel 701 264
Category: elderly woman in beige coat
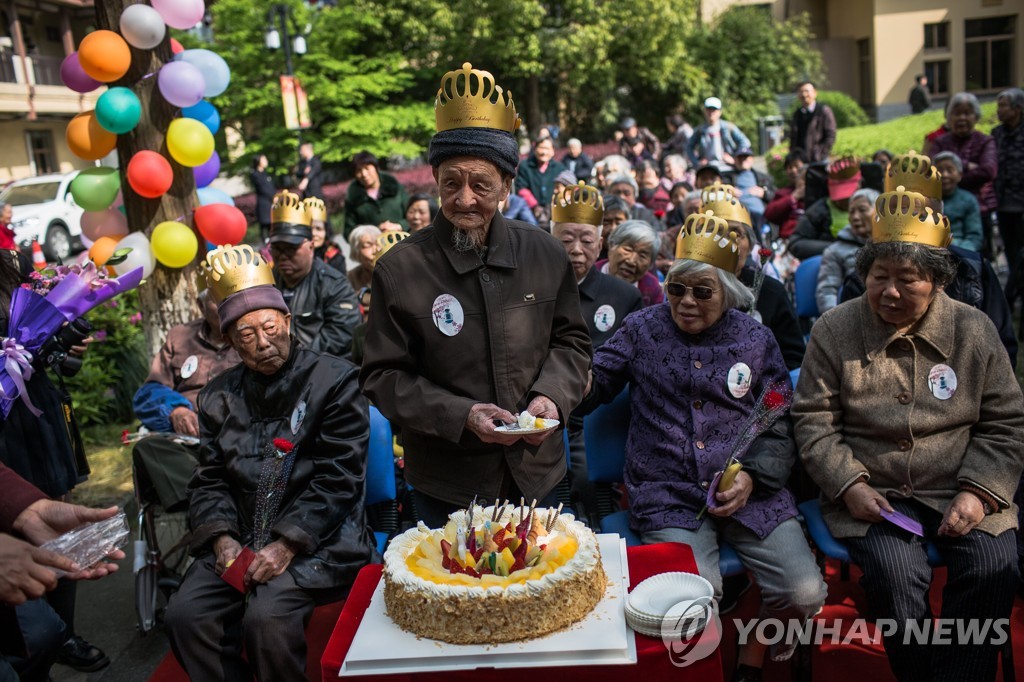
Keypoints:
pixel 907 403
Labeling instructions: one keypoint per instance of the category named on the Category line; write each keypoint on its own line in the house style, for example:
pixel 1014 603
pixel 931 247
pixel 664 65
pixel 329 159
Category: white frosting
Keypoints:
pixel 525 420
pixel 586 557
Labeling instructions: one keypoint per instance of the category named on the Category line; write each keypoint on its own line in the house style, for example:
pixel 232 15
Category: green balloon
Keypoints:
pixel 94 189
pixel 118 110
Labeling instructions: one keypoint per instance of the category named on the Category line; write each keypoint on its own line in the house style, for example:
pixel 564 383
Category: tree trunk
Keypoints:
pixel 168 296
pixel 533 114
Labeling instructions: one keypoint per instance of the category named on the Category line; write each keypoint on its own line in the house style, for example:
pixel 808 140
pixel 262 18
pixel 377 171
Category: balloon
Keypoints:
pixel 215 70
pixel 108 223
pixel 141 255
pixel 102 249
pixel 209 196
pixel 149 174
pixel 142 26
pixel 104 56
pixel 176 47
pixel 205 113
pixel 118 109
pixel 94 189
pixel 180 13
pixel 73 76
pixel 86 244
pixel 181 83
pixel 174 244
pixel 87 139
pixel 208 171
pixel 221 224
pixel 189 141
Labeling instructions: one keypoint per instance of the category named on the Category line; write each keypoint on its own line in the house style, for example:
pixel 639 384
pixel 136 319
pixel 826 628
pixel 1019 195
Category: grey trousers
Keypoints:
pixel 782 563
pixel 165 467
pixel 208 621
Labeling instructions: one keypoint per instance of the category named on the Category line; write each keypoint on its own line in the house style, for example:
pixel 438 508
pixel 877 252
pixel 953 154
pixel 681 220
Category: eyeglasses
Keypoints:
pixel 679 290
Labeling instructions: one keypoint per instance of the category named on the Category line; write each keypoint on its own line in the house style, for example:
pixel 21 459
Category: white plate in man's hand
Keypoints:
pixel 519 430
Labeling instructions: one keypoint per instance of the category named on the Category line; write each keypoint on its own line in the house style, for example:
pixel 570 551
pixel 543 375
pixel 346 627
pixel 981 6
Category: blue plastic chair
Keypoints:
pixel 805 284
pixel 380 477
pixel 604 434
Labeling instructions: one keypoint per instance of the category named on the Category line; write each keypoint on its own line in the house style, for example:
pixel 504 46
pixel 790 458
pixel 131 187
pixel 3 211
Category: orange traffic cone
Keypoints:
pixel 38 259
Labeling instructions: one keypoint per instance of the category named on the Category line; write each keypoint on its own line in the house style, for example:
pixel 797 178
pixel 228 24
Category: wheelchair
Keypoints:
pixel 161 554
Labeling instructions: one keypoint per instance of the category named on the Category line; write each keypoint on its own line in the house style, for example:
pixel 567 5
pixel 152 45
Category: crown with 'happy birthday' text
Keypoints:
pixel 722 201
pixel 578 204
pixel 470 98
pixel 316 207
pixel 709 239
pixel 289 208
pixel 915 173
pixel 903 216
pixel 230 269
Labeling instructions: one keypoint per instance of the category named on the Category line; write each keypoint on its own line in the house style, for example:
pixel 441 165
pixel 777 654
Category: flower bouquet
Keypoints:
pixel 773 402
pixel 39 309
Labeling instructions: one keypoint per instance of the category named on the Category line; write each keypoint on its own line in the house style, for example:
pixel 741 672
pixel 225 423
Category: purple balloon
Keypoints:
pixel 74 77
pixel 181 84
pixel 208 171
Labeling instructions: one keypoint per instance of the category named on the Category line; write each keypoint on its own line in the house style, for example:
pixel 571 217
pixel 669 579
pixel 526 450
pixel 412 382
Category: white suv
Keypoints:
pixel 44 210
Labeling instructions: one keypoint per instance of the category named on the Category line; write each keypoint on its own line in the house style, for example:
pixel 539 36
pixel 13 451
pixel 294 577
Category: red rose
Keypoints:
pixel 283 445
pixel 774 400
pixel 765 253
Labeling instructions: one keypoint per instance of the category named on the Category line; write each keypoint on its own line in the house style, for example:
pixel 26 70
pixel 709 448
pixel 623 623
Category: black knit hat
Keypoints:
pixel 497 146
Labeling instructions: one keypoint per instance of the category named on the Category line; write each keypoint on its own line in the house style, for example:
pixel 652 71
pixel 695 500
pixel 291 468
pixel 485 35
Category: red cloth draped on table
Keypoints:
pixel 653 661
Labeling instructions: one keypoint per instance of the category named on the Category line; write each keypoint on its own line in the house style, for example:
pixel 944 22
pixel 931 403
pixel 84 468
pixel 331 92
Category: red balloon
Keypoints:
pixel 176 47
pixel 149 174
pixel 221 224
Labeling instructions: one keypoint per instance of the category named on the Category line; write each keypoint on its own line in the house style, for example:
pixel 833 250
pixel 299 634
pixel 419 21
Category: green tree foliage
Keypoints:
pixel 748 59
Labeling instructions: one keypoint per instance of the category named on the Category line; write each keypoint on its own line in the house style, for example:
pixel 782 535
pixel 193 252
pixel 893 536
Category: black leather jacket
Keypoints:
pixel 241 412
pixel 324 310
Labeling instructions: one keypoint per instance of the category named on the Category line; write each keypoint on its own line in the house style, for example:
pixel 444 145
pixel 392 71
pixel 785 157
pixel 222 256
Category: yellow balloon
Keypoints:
pixel 189 142
pixel 174 244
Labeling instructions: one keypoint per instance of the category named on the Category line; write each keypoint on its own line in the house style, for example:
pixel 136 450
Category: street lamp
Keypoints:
pixel 279 20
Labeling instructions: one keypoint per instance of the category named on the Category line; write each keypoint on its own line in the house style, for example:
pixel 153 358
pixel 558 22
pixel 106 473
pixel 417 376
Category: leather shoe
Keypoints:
pixel 82 656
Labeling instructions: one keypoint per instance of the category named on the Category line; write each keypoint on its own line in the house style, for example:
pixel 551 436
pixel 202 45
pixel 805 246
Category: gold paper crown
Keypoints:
pixel 903 216
pixel 843 169
pixel 288 208
pixel 469 98
pixel 916 173
pixel 708 238
pixel 230 269
pixel 386 240
pixel 722 201
pixel 316 208
pixel 578 204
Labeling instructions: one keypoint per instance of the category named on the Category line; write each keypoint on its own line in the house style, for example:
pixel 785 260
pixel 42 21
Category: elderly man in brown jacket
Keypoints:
pixel 474 319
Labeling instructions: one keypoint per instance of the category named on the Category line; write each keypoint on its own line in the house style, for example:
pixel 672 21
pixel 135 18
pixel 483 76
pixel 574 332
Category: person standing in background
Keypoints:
pixel 309 172
pixel 920 100
pixel 813 127
pixel 263 186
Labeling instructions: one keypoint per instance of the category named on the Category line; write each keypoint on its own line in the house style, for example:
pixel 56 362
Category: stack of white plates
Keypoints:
pixel 651 601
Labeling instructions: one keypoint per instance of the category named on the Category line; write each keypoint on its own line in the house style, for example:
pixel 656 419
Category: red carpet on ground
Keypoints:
pixel 832 662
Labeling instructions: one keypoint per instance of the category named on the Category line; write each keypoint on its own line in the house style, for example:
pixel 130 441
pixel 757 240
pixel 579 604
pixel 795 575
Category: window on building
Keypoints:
pixel 988 53
pixel 42 153
pixel 938 77
pixel 936 36
pixel 864 91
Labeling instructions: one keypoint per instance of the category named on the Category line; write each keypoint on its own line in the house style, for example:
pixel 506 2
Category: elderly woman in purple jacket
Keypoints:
pixel 695 368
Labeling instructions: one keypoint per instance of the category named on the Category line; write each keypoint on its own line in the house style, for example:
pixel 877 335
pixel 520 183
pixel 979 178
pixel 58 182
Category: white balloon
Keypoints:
pixel 142 26
pixel 141 255
pixel 213 67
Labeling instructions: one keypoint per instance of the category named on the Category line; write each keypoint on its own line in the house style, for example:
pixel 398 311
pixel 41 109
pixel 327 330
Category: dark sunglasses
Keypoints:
pixel 699 293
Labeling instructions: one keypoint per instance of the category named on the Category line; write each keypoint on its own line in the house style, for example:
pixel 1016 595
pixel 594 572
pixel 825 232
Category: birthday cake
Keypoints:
pixel 493 576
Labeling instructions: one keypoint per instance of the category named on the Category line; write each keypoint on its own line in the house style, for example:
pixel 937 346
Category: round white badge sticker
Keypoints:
pixel 942 381
pixel 604 318
pixel 739 379
pixel 447 314
pixel 190 366
pixel 298 414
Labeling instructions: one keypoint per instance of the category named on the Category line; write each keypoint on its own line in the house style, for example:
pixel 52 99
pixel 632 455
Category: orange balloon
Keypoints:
pixel 104 55
pixel 102 249
pixel 87 139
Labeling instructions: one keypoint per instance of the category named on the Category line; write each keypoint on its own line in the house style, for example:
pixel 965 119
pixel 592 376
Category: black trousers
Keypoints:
pixel 434 512
pixel 208 622
pixel 1011 229
pixel 165 467
pixel 982 580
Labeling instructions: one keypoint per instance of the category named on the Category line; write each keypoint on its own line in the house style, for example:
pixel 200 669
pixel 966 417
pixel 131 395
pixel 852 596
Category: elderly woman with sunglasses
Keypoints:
pixel 695 368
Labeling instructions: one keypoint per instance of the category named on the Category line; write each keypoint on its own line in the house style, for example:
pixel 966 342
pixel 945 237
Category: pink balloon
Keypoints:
pixel 108 223
pixel 181 14
pixel 118 200
pixel 74 77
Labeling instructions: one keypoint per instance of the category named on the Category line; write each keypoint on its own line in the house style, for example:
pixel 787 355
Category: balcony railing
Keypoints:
pixel 7 74
pixel 47 70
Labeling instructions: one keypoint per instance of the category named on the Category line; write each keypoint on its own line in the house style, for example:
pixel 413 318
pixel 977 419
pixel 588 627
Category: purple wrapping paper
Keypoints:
pixel 74 296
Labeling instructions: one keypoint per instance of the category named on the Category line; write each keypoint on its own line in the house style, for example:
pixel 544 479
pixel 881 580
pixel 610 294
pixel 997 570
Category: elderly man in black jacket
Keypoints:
pixel 324 307
pixel 282 461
